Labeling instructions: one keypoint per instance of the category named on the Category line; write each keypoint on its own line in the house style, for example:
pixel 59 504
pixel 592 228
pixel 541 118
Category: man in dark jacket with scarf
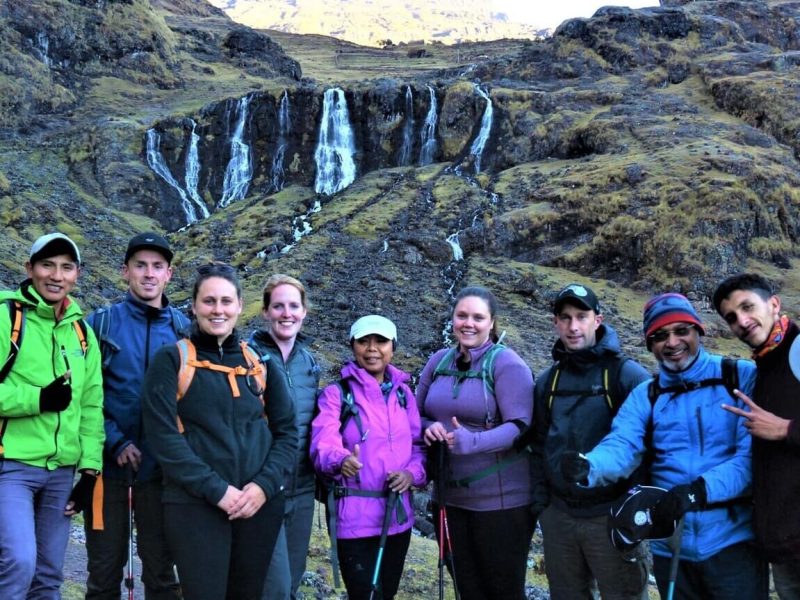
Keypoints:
pixel 574 403
pixel 752 311
pixel 134 329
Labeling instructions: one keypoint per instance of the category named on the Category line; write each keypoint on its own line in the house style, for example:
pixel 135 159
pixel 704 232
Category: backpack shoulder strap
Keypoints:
pixel 349 410
pixel 101 323
pixel 16 315
pixel 177 318
pixel 612 375
pixel 487 365
pixel 256 367
pixel 442 367
pixel 81 332
pixel 401 397
pixel 551 385
pixel 188 356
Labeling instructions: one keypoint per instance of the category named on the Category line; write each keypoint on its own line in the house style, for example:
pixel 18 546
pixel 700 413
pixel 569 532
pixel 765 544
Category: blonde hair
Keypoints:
pixel 281 279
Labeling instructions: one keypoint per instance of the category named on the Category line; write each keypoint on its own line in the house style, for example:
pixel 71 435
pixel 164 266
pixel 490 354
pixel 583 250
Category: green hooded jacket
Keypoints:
pixel 72 437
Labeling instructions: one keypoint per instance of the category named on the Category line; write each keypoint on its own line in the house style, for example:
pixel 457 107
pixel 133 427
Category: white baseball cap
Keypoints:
pixel 54 244
pixel 373 324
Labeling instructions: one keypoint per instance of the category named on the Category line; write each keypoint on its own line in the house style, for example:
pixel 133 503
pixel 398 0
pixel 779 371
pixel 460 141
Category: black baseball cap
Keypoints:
pixel 630 520
pixel 579 295
pixel 148 240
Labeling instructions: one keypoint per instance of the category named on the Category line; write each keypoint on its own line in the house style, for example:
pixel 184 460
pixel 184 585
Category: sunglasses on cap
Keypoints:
pixel 219 268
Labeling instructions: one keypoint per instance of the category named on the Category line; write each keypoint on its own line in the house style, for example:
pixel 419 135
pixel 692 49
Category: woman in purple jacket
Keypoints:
pixel 474 401
pixel 369 456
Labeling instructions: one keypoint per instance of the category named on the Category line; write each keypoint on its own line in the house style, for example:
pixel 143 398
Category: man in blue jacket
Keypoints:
pixel 701 454
pixel 130 332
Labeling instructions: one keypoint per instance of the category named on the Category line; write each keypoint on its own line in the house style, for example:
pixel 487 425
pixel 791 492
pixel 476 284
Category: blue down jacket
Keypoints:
pixel 693 436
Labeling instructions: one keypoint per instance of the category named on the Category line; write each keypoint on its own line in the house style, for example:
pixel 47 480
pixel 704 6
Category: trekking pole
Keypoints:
pixel 129 574
pixel 445 543
pixel 391 502
pixel 674 545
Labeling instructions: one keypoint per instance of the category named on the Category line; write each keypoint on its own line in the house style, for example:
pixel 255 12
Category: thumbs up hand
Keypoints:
pixel 463 440
pixel 352 464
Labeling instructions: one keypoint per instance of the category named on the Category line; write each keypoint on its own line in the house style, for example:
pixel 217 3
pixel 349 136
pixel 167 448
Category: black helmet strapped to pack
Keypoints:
pixel 630 522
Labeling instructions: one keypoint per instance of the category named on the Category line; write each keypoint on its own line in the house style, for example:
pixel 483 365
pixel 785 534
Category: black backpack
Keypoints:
pixel 610 387
pixel 101 323
pixel 729 379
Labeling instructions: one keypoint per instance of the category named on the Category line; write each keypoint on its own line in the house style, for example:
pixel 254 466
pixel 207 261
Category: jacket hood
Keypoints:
pixel 607 346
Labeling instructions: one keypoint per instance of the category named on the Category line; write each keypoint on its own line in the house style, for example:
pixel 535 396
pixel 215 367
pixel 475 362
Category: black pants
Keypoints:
pixel 357 558
pixel 107 549
pixel 733 573
pixel 490 551
pixel 220 559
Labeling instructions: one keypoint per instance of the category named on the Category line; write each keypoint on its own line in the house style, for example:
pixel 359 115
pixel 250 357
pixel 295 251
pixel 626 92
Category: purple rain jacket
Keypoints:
pixel 393 442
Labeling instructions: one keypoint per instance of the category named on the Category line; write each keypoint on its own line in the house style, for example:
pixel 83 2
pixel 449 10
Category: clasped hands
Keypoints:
pixel 244 503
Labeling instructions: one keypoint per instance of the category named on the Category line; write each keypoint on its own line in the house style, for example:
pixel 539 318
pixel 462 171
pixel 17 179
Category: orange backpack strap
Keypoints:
pixel 187 354
pixel 188 363
pixel 255 368
pixel 80 331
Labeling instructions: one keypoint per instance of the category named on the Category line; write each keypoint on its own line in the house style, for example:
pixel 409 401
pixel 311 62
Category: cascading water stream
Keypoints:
pixel 427 150
pixel 336 168
pixel 284 127
pixel 156 162
pixel 408 130
pixel 239 170
pixel 192 171
pixel 476 149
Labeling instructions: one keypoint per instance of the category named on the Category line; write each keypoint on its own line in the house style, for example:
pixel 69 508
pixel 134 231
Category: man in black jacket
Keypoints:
pixel 752 311
pixel 574 402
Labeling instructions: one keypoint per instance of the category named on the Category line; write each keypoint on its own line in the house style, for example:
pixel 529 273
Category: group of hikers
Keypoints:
pixel 218 445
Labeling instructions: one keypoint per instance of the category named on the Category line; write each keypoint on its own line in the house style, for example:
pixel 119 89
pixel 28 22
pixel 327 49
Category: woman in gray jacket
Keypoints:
pixel 284 309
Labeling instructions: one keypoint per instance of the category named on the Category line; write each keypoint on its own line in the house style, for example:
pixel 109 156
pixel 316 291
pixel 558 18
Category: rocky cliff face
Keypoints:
pixel 636 151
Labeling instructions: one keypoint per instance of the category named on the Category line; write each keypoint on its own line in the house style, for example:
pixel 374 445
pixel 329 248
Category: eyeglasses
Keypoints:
pixel 662 335
pixel 216 268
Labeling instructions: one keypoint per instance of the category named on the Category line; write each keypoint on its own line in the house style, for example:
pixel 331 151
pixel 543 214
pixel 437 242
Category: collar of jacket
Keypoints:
pixel 697 371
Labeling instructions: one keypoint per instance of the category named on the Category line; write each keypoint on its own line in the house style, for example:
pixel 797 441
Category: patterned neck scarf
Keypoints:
pixel 775 337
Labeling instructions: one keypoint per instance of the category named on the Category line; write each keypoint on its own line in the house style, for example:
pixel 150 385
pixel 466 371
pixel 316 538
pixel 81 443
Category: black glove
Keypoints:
pixel 575 467
pixel 678 501
pixel 82 492
pixel 56 396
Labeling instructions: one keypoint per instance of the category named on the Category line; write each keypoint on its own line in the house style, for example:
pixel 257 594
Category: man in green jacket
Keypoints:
pixel 51 420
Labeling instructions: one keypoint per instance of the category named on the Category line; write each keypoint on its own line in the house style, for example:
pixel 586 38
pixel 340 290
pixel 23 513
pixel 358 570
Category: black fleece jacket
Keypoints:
pixel 776 464
pixel 226 440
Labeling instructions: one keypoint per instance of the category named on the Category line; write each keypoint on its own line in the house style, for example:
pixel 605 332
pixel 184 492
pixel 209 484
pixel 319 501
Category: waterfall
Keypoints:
pixel 284 126
pixel 428 134
pixel 192 176
pixel 408 130
pixel 155 161
pixel 239 170
pixel 458 253
pixel 486 126
pixel 43 43
pixel 336 147
pixel 301 227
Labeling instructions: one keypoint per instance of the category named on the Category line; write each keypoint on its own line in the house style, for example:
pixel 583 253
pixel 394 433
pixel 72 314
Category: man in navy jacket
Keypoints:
pixel 130 332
